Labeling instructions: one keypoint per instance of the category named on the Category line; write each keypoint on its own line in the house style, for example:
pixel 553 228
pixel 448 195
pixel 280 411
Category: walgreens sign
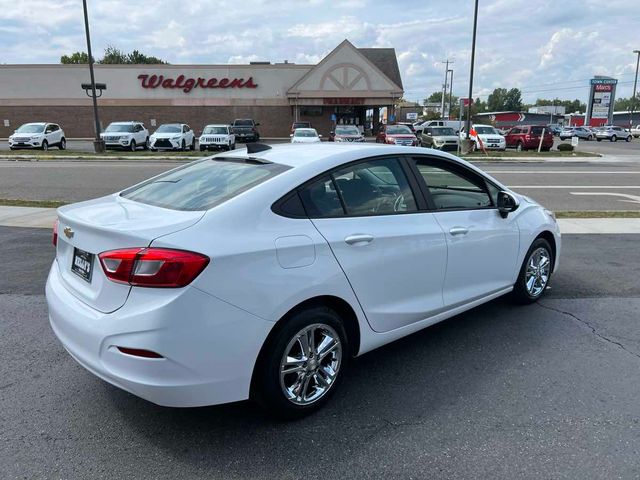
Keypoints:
pixel 187 84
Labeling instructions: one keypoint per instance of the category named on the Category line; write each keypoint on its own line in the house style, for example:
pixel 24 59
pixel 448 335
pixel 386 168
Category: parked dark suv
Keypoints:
pixel 527 137
pixel 245 130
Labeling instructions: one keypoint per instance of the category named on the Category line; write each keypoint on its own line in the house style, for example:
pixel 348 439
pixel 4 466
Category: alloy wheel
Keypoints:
pixel 537 273
pixel 310 364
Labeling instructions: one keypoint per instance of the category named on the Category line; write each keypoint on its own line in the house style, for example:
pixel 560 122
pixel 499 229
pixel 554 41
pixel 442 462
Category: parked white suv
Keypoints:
pixel 173 136
pixel 38 135
pixel 454 124
pixel 490 137
pixel 635 131
pixel 217 137
pixel 130 135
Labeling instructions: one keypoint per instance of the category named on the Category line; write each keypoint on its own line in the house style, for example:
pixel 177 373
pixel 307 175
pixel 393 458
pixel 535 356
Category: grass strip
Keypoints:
pixel 14 202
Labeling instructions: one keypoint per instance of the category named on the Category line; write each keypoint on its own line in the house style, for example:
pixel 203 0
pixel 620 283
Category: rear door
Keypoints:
pixel 392 251
pixel 482 246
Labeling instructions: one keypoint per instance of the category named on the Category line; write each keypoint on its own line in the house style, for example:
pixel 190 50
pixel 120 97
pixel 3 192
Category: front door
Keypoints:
pixel 482 246
pixel 393 253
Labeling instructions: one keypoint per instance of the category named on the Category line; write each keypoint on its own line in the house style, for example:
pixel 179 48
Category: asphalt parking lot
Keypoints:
pixel 544 391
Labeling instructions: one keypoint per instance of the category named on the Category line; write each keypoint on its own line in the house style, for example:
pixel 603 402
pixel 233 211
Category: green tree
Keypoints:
pixel 75 58
pixel 497 100
pixel 112 56
pixel 435 97
pixel 513 100
pixel 625 104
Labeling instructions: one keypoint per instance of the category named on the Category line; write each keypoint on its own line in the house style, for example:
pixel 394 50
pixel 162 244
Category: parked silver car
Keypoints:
pixel 580 132
pixel 613 134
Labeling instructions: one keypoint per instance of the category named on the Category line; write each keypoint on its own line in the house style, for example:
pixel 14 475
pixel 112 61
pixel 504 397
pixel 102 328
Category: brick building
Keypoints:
pixel 348 85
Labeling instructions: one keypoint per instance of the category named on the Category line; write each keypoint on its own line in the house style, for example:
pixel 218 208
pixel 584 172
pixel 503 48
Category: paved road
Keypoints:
pixel 500 392
pixel 559 186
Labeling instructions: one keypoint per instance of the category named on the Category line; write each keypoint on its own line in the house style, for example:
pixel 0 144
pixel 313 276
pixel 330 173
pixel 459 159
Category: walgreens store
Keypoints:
pixel 347 86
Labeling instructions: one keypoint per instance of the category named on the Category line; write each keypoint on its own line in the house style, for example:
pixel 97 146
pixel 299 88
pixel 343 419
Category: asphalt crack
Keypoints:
pixel 590 327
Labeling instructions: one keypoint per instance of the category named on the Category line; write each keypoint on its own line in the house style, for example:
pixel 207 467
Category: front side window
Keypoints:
pixel 202 185
pixel 452 189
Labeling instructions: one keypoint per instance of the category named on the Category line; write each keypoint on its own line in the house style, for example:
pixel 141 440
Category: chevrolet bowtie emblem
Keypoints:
pixel 68 231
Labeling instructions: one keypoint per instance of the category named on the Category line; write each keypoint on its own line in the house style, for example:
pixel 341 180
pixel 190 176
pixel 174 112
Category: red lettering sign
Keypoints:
pixel 604 88
pixel 188 84
pixel 343 101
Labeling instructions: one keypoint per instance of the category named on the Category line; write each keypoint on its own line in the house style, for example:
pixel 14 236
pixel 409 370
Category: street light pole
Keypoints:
pixel 473 58
pixel 444 88
pixel 450 93
pixel 97 143
pixel 635 84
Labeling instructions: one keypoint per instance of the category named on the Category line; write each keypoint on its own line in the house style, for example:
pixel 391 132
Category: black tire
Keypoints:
pixel 193 145
pixel 628 139
pixel 132 146
pixel 266 386
pixel 12 148
pixel 233 146
pixel 183 147
pixel 599 139
pixel 589 138
pixel 63 144
pixel 45 145
pixel 520 292
pixel 614 138
pixel 202 148
pixel 146 144
pixel 519 147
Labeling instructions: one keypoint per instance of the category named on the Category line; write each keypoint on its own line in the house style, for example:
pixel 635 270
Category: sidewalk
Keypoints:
pixel 44 218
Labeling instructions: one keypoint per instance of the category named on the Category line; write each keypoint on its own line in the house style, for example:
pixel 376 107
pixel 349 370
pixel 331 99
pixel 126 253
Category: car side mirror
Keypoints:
pixel 291 134
pixel 507 203
pixel 257 124
pixel 319 136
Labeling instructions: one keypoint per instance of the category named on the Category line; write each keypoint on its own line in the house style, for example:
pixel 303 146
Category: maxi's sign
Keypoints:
pixel 601 101
pixel 187 84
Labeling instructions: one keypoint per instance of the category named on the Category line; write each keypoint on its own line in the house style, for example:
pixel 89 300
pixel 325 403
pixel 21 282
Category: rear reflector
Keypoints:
pixel 54 239
pixel 138 352
pixel 152 267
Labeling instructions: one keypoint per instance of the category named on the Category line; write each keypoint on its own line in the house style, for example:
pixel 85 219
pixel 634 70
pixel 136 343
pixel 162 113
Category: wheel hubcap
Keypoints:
pixel 538 268
pixel 310 364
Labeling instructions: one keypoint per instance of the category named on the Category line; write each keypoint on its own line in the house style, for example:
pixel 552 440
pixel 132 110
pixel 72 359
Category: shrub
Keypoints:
pixel 565 147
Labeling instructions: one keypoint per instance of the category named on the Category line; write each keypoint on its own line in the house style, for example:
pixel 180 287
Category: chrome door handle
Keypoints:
pixel 358 239
pixel 458 231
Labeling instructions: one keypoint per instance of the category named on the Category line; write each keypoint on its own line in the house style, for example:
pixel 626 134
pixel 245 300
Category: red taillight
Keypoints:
pixel 152 267
pixel 54 239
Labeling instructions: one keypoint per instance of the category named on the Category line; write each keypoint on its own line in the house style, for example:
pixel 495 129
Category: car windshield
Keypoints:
pixel 305 132
pixel 398 130
pixel 442 131
pixel 169 128
pixel 204 184
pixel 486 131
pixel 115 127
pixel 243 123
pixel 31 128
pixel 347 131
pixel 215 130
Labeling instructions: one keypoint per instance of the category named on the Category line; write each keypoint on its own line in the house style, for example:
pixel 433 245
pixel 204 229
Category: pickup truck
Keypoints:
pixel 635 131
pixel 245 130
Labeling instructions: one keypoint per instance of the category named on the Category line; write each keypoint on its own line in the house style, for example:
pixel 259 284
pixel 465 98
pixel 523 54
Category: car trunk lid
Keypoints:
pixel 89 228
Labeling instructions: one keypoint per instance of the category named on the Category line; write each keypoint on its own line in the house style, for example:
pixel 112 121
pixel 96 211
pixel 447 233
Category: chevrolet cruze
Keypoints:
pixel 260 273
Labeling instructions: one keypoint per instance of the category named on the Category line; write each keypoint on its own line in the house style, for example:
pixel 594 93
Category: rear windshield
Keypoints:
pixel 243 123
pixel 537 130
pixel 204 184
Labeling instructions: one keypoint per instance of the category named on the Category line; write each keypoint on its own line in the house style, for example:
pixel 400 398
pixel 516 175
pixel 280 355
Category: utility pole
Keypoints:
pixel 444 86
pixel 635 84
pixel 473 58
pixel 450 93
pixel 98 144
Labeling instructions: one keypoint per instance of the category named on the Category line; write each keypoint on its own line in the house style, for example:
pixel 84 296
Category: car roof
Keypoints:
pixel 217 125
pixel 124 123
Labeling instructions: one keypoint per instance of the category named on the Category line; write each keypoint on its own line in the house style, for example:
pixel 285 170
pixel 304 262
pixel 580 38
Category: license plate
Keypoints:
pixel 82 264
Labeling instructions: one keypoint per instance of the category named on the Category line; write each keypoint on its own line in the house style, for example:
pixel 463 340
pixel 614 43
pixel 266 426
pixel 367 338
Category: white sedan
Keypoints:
pixel 305 135
pixel 259 273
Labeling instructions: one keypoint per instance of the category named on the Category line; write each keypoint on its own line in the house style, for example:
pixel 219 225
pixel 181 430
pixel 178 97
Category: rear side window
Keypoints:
pixel 204 184
pixel 320 199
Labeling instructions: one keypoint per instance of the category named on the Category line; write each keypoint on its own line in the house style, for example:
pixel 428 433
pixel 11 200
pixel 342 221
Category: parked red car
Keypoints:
pixel 396 135
pixel 527 137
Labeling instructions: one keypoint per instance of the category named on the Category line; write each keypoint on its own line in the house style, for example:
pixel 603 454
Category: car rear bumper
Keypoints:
pixel 209 347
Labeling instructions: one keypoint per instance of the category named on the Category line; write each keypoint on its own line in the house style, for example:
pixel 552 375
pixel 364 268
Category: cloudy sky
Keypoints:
pixel 546 48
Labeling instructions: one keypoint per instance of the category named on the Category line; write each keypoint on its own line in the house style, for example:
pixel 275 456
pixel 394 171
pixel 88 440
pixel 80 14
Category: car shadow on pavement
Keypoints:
pixel 423 378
